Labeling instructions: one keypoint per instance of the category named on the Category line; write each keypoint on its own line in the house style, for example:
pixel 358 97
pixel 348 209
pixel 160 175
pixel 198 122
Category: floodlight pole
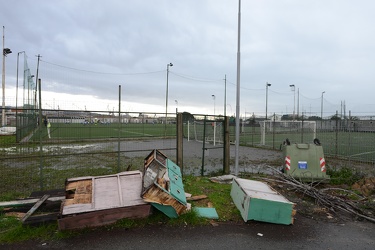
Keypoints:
pixel 225 96
pixel 6 51
pixel 267 85
pixel 166 99
pixel 3 85
pixel 294 100
pixel 321 112
pixel 237 145
pixel 214 97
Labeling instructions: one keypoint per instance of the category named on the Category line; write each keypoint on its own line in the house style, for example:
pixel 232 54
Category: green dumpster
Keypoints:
pixel 305 161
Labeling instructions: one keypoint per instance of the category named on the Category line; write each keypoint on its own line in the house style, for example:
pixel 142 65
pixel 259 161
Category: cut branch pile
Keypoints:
pixel 333 203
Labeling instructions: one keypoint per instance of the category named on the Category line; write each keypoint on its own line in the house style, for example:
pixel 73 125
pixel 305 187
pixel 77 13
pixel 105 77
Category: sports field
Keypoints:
pixel 77 131
pixel 359 146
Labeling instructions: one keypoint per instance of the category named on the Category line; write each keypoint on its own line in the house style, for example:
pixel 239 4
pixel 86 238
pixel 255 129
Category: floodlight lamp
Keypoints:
pixel 6 51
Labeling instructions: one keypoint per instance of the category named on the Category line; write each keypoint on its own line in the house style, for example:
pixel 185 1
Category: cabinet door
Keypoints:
pixel 178 192
pixel 176 185
pixel 172 166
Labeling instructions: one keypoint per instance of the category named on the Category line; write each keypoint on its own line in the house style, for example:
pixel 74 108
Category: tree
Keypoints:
pixel 187 117
pixel 335 117
pixel 314 118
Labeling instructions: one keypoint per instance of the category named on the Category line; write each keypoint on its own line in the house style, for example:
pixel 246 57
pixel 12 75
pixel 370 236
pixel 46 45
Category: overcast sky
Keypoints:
pixel 89 48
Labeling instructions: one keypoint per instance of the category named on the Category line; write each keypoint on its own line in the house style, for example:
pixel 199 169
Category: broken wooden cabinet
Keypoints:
pixel 162 185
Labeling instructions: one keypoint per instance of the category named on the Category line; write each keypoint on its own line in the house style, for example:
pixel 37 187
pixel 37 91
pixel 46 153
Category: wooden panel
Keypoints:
pixel 103 217
pixel 107 192
pixel 131 189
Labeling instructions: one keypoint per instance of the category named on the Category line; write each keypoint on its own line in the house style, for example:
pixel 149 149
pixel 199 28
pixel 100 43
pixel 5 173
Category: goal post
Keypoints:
pixel 212 130
pixel 295 131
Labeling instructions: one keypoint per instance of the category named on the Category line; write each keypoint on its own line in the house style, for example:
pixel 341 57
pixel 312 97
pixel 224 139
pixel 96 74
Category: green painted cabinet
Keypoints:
pixel 163 186
pixel 257 201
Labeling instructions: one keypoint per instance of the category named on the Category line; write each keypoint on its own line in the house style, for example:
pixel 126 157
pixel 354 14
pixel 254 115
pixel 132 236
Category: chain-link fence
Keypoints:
pixel 71 143
pixel 346 138
pixel 68 143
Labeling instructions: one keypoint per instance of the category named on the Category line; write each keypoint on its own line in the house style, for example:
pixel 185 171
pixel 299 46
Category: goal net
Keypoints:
pixel 211 131
pixel 295 131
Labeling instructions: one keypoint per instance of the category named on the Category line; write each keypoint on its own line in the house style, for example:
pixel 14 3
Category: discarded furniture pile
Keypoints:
pixel 92 201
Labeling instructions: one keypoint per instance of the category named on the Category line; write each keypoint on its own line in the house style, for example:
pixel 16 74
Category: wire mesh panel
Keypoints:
pixel 295 131
pixel 210 131
pixel 204 139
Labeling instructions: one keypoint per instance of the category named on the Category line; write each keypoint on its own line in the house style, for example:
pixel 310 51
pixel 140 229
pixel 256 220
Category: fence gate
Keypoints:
pixel 209 134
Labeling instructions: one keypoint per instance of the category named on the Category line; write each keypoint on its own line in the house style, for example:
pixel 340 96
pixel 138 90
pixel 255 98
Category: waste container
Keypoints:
pixel 305 161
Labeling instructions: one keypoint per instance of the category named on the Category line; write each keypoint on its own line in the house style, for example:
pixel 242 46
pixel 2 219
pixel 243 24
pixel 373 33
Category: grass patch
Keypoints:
pixel 12 230
pixel 218 196
pixel 7 140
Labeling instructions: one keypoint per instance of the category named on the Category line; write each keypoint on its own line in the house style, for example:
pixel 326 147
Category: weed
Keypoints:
pixel 344 175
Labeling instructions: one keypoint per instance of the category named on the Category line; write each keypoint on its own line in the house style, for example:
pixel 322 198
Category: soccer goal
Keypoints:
pixel 211 131
pixel 295 131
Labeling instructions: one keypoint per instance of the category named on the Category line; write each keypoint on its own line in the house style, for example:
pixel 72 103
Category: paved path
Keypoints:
pixel 306 233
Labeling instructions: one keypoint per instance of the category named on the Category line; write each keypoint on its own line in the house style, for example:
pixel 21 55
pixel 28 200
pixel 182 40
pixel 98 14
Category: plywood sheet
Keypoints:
pixel 86 194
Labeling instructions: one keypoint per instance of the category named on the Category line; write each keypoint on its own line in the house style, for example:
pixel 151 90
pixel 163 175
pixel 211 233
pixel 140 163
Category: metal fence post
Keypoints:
pixel 40 137
pixel 204 144
pixel 226 167
pixel 119 129
pixel 179 142
pixel 302 128
pixel 273 131
pixel 337 133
